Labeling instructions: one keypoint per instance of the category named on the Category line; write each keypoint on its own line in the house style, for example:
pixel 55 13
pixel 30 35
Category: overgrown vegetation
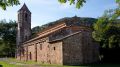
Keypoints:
pixel 78 3
pixel 7 38
pixel 6 3
pixel 107 33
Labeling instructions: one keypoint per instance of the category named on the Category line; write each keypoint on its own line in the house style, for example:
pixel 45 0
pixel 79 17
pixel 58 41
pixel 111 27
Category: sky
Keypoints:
pixel 45 11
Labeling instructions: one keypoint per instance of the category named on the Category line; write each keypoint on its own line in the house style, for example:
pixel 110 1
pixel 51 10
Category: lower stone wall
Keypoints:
pixel 43 52
pixel 90 48
pixel 72 50
pixel 55 53
pixel 31 52
pixel 20 54
pixel 80 49
pixel 18 57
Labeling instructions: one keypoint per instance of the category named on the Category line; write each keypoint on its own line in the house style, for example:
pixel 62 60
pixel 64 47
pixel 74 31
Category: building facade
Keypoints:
pixel 66 43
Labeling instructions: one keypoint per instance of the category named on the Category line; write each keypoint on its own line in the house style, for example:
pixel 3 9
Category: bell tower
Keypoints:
pixel 24 25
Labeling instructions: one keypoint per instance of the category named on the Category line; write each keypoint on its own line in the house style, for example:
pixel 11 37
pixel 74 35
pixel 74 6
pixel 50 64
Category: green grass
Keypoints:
pixel 37 63
pixel 7 63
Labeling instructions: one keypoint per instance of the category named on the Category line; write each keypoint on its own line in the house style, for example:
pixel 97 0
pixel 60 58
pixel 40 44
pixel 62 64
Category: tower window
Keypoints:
pixel 26 17
pixel 25 37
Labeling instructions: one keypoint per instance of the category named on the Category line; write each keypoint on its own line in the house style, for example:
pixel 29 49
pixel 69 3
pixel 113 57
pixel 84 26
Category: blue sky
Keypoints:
pixel 45 11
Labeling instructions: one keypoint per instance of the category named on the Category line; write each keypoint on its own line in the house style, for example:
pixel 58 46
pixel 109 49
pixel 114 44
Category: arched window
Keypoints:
pixel 26 16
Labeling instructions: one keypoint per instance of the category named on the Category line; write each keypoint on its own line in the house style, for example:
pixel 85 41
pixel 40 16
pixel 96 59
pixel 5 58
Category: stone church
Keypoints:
pixel 66 43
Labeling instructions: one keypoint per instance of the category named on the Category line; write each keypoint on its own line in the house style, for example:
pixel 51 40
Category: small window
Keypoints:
pixel 30 56
pixel 54 48
pixel 48 46
pixel 40 46
pixel 23 51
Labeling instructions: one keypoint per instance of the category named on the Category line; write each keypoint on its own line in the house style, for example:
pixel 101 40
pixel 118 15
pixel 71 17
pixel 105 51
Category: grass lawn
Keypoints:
pixel 5 64
pixel 15 63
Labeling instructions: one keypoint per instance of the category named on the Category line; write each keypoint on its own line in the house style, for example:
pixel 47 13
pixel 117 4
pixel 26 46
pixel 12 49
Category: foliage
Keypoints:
pixel 6 3
pixel 78 3
pixel 118 2
pixel 107 29
pixel 35 30
pixel 7 37
pixel 108 34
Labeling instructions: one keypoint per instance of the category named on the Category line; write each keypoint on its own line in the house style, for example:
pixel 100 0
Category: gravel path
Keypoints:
pixel 3 59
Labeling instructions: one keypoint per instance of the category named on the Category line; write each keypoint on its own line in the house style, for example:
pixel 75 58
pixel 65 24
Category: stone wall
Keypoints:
pixel 72 50
pixel 55 53
pixel 80 49
pixel 90 48
pixel 49 52
pixel 42 51
pixel 31 52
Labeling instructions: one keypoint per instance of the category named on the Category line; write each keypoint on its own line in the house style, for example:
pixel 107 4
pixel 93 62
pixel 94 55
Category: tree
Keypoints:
pixel 78 3
pixel 35 30
pixel 107 32
pixel 7 38
pixel 107 28
pixel 6 3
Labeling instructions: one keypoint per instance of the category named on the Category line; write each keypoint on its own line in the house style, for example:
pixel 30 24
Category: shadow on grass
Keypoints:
pixel 101 65
pixel 98 65
pixel 1 66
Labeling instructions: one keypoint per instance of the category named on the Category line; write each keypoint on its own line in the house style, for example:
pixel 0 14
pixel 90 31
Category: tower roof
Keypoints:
pixel 24 8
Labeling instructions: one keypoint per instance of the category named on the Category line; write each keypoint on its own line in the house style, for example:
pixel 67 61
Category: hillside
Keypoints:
pixel 68 19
